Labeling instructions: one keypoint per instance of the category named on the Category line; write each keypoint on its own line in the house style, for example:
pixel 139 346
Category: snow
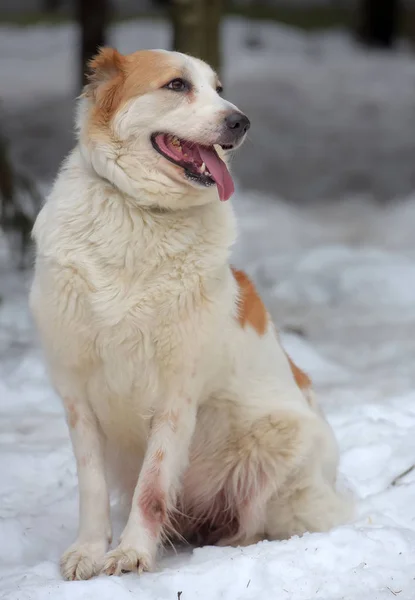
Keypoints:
pixel 358 345
pixel 339 279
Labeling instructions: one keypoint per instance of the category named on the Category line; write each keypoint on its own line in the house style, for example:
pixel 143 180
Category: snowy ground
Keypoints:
pixel 340 282
pixel 345 282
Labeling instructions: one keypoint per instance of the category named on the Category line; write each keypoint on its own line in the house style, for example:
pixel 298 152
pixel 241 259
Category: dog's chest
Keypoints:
pixel 145 339
pixel 149 322
pixel 152 298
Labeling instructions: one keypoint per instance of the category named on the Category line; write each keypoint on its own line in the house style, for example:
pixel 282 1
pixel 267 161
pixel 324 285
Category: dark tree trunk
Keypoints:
pixel 19 203
pixel 213 13
pixel 196 29
pixel 6 177
pixel 187 20
pixel 378 23
pixel 92 17
pixel 51 5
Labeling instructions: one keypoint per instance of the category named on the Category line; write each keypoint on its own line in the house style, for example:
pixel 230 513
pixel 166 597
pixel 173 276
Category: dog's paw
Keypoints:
pixel 125 559
pixel 82 561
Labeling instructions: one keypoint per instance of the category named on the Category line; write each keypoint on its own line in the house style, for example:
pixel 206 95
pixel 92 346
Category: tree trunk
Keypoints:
pixel 196 29
pixel 378 22
pixel 16 193
pixel 187 19
pixel 6 177
pixel 92 17
pixel 51 6
pixel 212 20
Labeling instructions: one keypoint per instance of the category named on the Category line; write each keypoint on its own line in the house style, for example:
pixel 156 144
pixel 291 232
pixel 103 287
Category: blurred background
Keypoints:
pixel 325 199
pixel 328 84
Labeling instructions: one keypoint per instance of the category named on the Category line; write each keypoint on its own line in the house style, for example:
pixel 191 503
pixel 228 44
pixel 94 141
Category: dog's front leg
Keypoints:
pixel 155 493
pixel 84 558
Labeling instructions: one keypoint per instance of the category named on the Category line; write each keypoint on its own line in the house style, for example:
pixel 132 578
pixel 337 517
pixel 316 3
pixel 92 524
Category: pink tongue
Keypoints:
pixel 219 172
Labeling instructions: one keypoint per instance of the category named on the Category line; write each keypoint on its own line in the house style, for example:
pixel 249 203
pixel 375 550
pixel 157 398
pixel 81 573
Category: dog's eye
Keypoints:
pixel 219 89
pixel 178 85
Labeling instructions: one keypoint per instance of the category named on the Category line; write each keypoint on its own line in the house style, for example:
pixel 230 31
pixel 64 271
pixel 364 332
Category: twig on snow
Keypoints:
pixel 394 593
pixel 402 475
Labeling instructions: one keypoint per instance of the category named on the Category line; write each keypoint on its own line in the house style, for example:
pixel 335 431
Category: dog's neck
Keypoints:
pixel 141 185
pixel 124 234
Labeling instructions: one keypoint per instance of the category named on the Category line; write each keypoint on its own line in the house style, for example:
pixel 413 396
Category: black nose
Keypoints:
pixel 237 122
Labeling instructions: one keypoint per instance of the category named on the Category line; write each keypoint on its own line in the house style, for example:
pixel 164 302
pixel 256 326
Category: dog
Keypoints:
pixel 176 388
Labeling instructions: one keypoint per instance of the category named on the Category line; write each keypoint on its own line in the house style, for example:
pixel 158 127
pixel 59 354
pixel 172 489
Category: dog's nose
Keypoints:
pixel 237 122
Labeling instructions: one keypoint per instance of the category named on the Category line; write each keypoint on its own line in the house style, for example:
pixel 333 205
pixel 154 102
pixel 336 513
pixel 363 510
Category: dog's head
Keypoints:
pixel 155 125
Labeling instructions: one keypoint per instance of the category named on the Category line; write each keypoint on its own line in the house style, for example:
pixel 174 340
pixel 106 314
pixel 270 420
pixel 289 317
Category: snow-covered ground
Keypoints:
pixel 344 281
pixel 340 282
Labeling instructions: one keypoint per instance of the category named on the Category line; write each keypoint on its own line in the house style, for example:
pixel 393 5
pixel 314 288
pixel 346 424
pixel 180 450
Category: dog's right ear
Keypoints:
pixel 105 79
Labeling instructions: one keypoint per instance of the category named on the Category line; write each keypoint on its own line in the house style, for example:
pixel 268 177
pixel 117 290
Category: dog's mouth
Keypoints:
pixel 201 164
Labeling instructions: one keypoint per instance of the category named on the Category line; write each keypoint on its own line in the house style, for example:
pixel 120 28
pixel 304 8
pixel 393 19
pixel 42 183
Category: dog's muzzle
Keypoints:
pixel 236 126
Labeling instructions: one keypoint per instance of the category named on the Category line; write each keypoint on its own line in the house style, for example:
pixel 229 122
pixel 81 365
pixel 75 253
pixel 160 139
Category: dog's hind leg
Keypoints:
pixel 235 479
pixel 270 456
pixel 314 505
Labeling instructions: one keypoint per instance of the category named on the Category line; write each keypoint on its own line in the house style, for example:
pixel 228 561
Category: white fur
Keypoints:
pixel 137 311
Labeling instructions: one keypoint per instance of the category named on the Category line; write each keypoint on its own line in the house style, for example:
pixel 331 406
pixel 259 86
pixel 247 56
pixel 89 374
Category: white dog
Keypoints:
pixel 168 365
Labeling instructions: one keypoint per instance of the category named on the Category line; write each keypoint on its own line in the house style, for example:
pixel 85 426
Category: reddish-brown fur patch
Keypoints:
pixel 302 379
pixel 72 414
pixel 83 461
pixel 251 309
pixel 152 502
pixel 115 79
pixel 159 455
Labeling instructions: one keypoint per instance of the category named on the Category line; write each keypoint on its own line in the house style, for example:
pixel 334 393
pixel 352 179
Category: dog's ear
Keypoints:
pixel 106 75
pixel 105 66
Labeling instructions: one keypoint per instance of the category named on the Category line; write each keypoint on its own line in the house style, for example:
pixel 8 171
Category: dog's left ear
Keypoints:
pixel 105 79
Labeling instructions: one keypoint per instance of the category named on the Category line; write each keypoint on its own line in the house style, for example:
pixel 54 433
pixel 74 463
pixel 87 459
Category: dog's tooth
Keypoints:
pixel 175 141
pixel 203 167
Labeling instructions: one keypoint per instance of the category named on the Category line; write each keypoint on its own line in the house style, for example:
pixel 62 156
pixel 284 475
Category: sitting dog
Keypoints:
pixel 175 385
